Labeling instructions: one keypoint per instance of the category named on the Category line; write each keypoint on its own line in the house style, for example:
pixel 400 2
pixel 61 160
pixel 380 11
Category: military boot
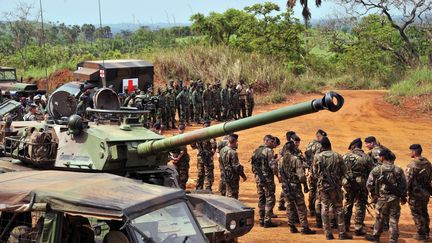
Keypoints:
pixel 261 222
pixel 372 238
pixel 308 231
pixel 329 236
pixel 345 236
pixel 419 237
pixel 360 232
pixel 270 224
pixel 293 229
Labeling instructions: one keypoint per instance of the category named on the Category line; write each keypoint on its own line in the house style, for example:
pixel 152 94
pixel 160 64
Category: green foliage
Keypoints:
pixel 261 28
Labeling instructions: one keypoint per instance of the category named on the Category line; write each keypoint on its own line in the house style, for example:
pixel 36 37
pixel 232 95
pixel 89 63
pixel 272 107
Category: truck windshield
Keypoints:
pixel 173 223
pixel 7 75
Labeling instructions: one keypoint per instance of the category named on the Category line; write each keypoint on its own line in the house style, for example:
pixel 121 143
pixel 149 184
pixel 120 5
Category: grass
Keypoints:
pixel 417 83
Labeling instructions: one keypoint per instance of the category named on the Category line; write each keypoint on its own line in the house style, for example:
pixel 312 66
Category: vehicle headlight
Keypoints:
pixel 233 224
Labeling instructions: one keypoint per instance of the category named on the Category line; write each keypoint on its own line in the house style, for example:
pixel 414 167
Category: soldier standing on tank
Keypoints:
pixel 205 164
pixel 292 176
pixel 388 186
pixel 181 160
pixel 329 169
pixel 197 104
pixel 263 161
pixel 358 168
pixel 207 102
pixel 419 179
pixel 312 149
pixel 232 169
pixel 241 89
pixel 250 101
pixel 183 100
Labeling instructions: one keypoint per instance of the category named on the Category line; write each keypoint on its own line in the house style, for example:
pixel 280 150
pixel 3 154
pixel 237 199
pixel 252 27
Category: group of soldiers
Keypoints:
pixel 196 103
pixel 32 107
pixel 328 177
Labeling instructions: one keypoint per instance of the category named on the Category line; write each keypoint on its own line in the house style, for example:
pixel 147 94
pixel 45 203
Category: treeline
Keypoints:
pixel 261 43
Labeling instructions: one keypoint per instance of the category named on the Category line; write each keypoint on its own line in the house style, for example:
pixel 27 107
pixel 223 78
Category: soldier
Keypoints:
pixel 282 153
pixel 374 148
pixel 419 178
pixel 162 108
pixel 171 107
pixel 180 158
pixel 31 114
pixel 263 163
pixel 388 186
pixel 192 88
pixel 241 90
pixel 205 164
pixel 183 100
pixel 225 102
pixel 221 144
pixel 207 101
pixel 217 100
pixel 328 170
pixel 292 176
pixel 358 167
pixel 232 169
pixel 197 104
pixel 313 148
pixel 235 103
pixel 250 101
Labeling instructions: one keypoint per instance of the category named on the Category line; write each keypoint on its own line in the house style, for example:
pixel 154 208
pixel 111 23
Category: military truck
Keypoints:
pixel 9 82
pixel 116 142
pixel 74 207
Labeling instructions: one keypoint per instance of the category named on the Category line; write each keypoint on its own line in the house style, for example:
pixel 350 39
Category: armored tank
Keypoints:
pixel 115 141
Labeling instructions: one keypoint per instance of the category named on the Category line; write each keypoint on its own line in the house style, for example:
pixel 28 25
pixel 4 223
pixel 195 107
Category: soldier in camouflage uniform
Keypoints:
pixel 241 90
pixel 283 151
pixel 263 163
pixel 205 164
pixel 207 101
pixel 419 178
pixel 328 171
pixel 374 148
pixel 181 160
pixel 197 104
pixel 171 107
pixel 292 176
pixel 192 88
pixel 232 169
pixel 183 100
pixel 358 167
pixel 235 104
pixel 162 108
pixel 225 101
pixel 313 148
pixel 388 186
pixel 220 146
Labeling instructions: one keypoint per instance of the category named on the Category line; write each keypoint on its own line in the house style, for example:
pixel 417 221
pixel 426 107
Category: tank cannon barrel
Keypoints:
pixel 331 101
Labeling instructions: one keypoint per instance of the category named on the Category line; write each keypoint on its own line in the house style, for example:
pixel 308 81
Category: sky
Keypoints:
pixel 144 11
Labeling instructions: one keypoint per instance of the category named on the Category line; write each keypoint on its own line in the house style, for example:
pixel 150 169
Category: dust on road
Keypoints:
pixel 364 113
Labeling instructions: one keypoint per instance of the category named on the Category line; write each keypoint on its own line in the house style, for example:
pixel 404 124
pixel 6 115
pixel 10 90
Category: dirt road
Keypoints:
pixel 365 113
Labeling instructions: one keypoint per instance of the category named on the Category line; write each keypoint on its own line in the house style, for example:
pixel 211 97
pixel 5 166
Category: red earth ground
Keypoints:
pixel 364 113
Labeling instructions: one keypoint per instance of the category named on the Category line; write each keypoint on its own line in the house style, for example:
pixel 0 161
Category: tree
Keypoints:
pixel 88 30
pixel 410 10
pixel 22 29
pixel 306 12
